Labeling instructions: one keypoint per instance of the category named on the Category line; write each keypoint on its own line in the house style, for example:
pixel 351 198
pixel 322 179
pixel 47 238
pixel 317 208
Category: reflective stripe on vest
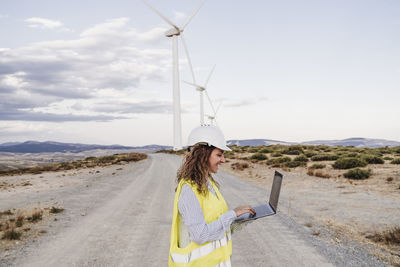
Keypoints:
pixel 202 251
pixel 224 264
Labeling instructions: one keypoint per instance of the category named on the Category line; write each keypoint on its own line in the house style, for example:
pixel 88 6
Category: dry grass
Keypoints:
pixel 11 234
pixel 89 162
pixel 239 166
pixel 388 237
pixel 56 210
pixel 36 216
pixel 322 174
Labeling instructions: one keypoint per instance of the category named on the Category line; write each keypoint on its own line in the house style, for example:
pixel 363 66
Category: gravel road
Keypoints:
pixel 124 220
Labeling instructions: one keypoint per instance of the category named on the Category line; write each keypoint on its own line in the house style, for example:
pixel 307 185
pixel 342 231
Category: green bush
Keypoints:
pixel 372 159
pixel 252 150
pixel 265 150
pixel 321 157
pixel 259 156
pixel 310 153
pixel 293 164
pixel 387 158
pixel 301 158
pixel 357 173
pixel 278 160
pixel 396 149
pixel 348 163
pixel 229 154
pixel 276 154
pixel 293 150
pixel 318 166
pixel 395 161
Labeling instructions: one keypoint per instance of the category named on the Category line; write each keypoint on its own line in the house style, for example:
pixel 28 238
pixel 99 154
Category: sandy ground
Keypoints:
pixel 114 214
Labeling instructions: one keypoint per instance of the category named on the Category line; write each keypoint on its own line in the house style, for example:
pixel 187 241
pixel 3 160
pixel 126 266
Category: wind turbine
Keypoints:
pixel 202 89
pixel 213 118
pixel 174 32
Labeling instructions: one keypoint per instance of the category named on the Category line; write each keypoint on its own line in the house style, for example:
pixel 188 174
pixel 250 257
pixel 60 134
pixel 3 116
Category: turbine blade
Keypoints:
pixel 209 76
pixel 188 57
pixel 215 114
pixel 161 15
pixel 194 13
pixel 209 100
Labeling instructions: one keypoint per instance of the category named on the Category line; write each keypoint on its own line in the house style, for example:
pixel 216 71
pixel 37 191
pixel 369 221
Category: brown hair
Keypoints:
pixel 195 169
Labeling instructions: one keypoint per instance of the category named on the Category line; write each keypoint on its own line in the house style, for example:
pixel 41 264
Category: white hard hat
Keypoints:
pixel 209 134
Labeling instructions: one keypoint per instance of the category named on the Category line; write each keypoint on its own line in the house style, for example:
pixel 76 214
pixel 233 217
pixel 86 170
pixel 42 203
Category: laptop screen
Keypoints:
pixel 276 188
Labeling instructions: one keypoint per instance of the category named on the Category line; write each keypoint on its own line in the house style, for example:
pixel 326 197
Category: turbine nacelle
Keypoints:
pixel 200 88
pixel 173 31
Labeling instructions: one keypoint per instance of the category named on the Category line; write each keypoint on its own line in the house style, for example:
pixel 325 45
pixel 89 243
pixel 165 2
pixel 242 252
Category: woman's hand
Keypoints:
pixel 244 209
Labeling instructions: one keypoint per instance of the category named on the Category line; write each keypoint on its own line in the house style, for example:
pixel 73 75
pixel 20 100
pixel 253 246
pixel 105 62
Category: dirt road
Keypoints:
pixel 124 220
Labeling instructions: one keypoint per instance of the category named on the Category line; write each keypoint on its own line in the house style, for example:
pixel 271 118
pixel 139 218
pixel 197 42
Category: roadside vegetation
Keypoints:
pixel 88 162
pixel 320 161
pixel 20 224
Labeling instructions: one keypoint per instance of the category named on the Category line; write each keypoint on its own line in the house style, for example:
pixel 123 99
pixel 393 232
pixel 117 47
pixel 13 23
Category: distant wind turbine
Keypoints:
pixel 174 32
pixel 213 118
pixel 202 89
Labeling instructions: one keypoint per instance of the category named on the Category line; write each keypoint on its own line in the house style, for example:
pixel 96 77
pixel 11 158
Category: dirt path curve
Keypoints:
pixel 127 223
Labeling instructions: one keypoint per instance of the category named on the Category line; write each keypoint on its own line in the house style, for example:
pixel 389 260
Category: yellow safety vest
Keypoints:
pixel 213 253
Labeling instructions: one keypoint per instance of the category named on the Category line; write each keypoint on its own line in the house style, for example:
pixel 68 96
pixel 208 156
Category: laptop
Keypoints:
pixel 266 209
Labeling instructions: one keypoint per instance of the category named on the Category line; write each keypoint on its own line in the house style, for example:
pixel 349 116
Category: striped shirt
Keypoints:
pixel 193 218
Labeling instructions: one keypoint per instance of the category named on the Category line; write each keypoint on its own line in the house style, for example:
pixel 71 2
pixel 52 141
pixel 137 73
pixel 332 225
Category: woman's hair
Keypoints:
pixel 195 169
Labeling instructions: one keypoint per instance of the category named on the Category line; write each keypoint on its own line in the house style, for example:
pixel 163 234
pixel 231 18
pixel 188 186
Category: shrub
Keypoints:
pixel 229 154
pixel 389 237
pixel 239 165
pixel 293 164
pixel 357 173
pixel 278 160
pixel 20 220
pixel 310 171
pixel 293 150
pixel 310 153
pixel 322 174
pixel 350 155
pixel 387 158
pixel 259 156
pixel 372 159
pixel 318 166
pixel 348 163
pixel 253 150
pixel 321 157
pixel 276 154
pixel 265 150
pixel 56 210
pixel 6 212
pixel 36 216
pixel 395 161
pixel 11 234
pixel 302 158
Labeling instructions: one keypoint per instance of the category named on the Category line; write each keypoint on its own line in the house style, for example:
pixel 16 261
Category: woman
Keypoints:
pixel 200 232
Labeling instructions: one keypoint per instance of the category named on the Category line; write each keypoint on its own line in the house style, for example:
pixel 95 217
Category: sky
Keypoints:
pixel 100 72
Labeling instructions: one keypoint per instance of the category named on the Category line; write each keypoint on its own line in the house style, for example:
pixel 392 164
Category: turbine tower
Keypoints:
pixel 202 89
pixel 213 118
pixel 174 32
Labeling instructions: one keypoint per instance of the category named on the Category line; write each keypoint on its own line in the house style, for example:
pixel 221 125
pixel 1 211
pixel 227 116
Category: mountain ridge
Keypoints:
pixel 52 146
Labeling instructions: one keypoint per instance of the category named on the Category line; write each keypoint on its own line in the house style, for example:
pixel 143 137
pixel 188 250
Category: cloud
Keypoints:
pixel 37 79
pixel 43 23
pixel 138 107
pixel 179 16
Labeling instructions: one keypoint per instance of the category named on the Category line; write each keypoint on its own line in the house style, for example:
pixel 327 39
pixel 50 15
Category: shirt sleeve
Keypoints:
pixel 193 217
